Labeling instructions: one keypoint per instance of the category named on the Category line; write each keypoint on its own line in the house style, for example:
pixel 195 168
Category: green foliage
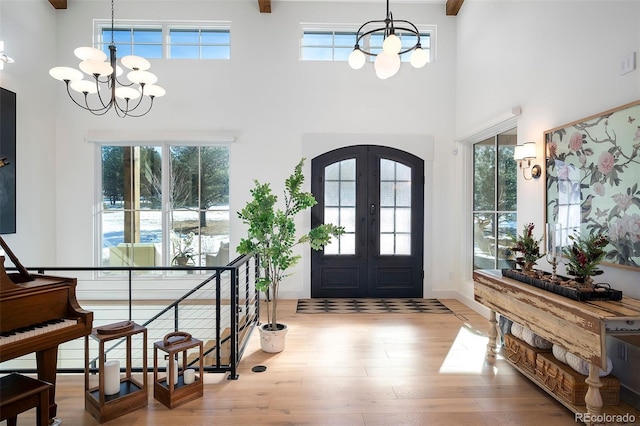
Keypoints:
pixel 528 245
pixel 271 233
pixel 585 254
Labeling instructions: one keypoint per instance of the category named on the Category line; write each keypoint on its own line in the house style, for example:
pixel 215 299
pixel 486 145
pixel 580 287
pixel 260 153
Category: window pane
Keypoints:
pixel 403 194
pixel 340 191
pixel 403 220
pixel 507 234
pixel 121 49
pixel 331 193
pixel 348 193
pixel 403 244
pixel 348 169
pixel 119 36
pixel 483 241
pixel 148 51
pixel 387 220
pixel 507 173
pixel 332 171
pixel 387 244
pixel 484 160
pixel 147 35
pixel 347 219
pixel 345 39
pixel 215 52
pixel 387 169
pixel 387 194
pixel 403 172
pixel 185 52
pixel 317 39
pixel 215 37
pixel 184 36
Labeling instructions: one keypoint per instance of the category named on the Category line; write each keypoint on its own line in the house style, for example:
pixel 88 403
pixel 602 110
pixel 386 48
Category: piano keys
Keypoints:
pixel 38 313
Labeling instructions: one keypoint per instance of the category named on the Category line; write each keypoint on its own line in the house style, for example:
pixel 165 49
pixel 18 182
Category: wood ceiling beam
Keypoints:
pixel 58 4
pixel 453 7
pixel 265 6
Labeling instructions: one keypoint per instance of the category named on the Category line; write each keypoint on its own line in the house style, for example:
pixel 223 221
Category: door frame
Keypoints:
pixel 420 145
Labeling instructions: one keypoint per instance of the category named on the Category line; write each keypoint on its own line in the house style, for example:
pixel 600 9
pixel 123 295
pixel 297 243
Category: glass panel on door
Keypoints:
pixel 340 205
pixel 395 208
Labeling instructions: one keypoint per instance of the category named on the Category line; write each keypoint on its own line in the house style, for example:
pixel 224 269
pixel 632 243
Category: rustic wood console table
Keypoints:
pixel 580 327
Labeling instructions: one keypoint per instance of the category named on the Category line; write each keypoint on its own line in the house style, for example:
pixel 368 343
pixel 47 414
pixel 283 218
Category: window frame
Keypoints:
pixel 166 206
pixel 165 27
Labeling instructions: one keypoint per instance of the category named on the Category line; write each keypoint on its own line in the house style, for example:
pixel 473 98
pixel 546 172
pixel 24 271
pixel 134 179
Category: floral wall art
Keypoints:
pixel 593 181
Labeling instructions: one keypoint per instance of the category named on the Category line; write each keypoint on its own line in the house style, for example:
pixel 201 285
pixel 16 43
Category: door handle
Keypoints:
pixel 372 209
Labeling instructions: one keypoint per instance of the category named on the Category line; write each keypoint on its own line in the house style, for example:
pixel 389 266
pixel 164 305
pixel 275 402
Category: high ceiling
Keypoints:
pixel 452 6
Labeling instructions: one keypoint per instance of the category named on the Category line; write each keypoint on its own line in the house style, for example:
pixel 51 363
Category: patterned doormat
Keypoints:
pixel 371 306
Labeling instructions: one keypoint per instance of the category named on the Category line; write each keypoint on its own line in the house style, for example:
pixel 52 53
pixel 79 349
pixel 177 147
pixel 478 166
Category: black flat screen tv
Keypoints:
pixel 7 161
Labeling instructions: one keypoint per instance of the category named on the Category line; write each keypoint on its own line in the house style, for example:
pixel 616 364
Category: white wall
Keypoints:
pixel 264 96
pixel 22 24
pixel 559 61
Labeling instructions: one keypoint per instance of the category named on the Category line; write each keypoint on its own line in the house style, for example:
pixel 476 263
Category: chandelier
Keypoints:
pixel 387 62
pixel 106 90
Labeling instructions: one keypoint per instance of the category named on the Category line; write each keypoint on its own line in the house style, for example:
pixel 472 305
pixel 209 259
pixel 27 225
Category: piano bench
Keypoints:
pixel 20 393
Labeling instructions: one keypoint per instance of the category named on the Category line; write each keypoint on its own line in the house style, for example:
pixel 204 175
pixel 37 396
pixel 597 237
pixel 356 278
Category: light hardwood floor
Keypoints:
pixel 354 369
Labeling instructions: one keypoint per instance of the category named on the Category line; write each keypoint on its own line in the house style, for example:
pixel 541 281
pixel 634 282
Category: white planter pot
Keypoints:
pixel 273 341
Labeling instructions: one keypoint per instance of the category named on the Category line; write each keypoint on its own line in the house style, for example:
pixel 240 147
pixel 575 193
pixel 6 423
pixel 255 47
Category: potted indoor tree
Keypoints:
pixel 272 237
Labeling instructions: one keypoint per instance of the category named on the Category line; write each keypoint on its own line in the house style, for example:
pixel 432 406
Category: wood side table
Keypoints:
pixel 133 394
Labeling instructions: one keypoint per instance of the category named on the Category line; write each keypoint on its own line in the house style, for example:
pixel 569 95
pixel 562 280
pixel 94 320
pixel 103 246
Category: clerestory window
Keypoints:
pixel 167 40
pixel 334 43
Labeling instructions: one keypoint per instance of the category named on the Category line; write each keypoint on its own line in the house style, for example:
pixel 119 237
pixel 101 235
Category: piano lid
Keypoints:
pixel 23 275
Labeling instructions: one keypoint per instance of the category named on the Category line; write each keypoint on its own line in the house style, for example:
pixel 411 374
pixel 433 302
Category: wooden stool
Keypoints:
pixel 20 393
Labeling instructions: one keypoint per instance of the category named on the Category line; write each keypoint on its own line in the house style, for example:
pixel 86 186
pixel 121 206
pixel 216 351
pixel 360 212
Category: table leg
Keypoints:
pixel 593 399
pixel 493 335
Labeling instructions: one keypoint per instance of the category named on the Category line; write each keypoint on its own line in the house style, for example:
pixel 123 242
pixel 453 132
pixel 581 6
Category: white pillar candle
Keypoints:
pixel 175 372
pixel 189 376
pixel 111 377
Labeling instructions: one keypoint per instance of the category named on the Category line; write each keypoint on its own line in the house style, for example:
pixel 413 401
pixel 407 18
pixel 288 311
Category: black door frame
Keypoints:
pixel 362 274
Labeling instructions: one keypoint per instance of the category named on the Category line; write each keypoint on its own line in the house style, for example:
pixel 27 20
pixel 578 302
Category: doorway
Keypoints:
pixel 377 194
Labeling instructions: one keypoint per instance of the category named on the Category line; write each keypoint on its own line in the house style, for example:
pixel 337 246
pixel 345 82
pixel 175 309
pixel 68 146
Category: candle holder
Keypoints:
pixel 106 404
pixel 176 387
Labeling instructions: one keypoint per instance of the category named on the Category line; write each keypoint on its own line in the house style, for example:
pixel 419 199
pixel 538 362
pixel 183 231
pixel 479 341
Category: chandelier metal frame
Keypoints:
pixel 388 27
pixel 93 63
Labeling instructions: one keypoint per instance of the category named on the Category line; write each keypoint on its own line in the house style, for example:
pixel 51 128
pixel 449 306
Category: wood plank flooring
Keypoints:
pixel 353 369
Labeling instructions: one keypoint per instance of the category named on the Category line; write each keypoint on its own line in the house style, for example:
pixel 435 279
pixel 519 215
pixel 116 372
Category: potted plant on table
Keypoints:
pixel 529 247
pixel 583 257
pixel 272 236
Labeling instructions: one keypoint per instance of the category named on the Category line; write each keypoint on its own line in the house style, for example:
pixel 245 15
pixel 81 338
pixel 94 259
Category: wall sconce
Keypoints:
pixel 527 151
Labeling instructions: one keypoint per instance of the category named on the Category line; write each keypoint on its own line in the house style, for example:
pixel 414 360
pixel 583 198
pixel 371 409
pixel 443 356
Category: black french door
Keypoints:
pixel 377 194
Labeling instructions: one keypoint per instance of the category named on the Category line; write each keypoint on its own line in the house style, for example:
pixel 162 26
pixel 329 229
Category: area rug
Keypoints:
pixel 371 306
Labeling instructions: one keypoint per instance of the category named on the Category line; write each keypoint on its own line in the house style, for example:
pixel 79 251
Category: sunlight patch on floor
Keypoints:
pixel 467 353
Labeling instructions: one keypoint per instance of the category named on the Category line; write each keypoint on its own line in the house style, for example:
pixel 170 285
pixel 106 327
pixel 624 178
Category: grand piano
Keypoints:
pixel 38 313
